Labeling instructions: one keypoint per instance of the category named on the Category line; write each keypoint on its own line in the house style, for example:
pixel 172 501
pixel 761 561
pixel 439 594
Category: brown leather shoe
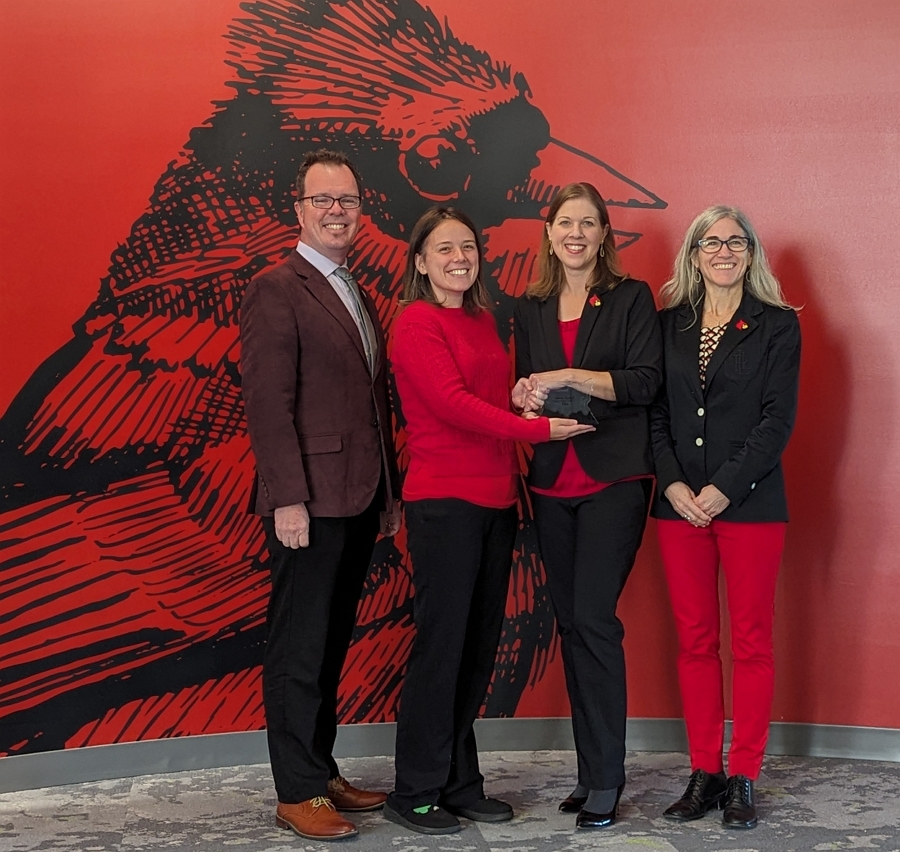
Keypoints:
pixel 315 819
pixel 346 797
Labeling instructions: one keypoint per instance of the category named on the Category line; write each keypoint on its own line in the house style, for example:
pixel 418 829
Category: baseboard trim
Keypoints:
pixel 124 760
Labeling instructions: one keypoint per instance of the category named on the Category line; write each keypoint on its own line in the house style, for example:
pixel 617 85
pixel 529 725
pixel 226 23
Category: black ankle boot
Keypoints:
pixel 703 793
pixel 740 804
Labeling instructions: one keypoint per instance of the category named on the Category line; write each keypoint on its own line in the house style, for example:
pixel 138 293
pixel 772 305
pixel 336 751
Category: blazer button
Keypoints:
pixel 701 412
pixel 699 442
pixel 375 422
pixel 752 485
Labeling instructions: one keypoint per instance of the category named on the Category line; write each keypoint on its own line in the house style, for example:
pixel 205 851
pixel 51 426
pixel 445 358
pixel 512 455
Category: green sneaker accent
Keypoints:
pixel 423 810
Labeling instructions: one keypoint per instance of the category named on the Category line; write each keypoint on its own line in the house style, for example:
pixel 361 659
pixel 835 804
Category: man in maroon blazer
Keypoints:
pixel 314 382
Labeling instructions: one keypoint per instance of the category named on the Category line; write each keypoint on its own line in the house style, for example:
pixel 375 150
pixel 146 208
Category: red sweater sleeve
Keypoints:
pixel 421 352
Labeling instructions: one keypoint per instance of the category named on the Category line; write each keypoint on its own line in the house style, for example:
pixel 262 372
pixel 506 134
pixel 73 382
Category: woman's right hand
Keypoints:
pixel 562 428
pixel 527 397
pixel 684 501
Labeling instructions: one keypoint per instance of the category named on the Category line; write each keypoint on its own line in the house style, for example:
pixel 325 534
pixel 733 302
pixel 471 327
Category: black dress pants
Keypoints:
pixel 588 545
pixel 461 556
pixel 312 611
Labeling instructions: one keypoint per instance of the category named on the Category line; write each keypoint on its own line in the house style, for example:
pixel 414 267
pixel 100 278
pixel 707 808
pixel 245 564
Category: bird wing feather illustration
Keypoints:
pixel 134 581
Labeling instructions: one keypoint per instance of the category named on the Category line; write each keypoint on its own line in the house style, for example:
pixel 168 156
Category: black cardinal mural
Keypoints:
pixel 133 582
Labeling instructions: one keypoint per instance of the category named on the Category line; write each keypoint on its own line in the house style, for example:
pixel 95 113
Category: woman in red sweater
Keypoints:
pixel 452 376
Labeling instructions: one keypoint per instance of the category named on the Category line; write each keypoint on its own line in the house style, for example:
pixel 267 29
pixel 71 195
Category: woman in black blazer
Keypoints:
pixel 588 343
pixel 719 427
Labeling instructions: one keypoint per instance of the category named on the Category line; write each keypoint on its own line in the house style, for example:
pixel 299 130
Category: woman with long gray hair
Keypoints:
pixel 719 427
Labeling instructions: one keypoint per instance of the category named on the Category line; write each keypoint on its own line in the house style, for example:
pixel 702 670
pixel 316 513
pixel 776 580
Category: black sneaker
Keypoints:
pixel 427 819
pixel 484 810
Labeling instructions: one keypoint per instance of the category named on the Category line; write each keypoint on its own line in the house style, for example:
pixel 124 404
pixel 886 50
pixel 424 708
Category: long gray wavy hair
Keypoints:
pixel 684 288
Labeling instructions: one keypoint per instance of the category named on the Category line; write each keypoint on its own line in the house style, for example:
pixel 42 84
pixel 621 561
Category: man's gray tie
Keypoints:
pixel 366 331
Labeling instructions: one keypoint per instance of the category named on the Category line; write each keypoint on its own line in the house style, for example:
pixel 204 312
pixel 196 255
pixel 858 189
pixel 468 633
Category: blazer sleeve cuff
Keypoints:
pixel 667 472
pixel 620 386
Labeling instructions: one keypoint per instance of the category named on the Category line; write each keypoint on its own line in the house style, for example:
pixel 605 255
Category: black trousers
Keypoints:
pixel 588 545
pixel 462 556
pixel 312 611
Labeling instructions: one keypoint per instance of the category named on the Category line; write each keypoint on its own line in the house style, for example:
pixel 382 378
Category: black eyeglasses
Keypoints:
pixel 326 202
pixel 711 245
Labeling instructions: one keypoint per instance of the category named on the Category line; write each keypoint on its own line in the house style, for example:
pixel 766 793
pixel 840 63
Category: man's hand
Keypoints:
pixel 292 525
pixel 390 521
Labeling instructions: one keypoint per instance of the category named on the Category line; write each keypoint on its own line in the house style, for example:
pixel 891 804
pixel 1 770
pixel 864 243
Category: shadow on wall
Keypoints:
pixel 822 598
pixel 651 645
pixel 820 606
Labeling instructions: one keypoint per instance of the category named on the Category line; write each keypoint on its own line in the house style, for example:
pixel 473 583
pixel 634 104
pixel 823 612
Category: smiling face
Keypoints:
pixel 330 232
pixel 725 269
pixel 576 235
pixel 449 259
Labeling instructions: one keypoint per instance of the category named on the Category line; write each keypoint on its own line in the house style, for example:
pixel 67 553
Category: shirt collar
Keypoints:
pixel 324 264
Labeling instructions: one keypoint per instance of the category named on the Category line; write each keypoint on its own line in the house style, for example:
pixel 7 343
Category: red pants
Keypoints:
pixel 750 555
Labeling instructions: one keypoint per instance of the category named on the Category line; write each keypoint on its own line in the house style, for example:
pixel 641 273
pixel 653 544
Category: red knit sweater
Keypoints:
pixel 453 381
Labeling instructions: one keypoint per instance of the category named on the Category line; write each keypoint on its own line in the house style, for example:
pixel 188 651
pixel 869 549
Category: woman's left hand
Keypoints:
pixel 552 379
pixel 594 383
pixel 712 501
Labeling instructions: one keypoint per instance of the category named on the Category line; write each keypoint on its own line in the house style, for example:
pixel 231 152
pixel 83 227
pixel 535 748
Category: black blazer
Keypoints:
pixel 733 434
pixel 620 335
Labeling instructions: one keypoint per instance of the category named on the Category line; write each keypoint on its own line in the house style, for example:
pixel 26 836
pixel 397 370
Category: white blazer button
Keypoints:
pixel 752 485
pixel 699 442
pixel 701 412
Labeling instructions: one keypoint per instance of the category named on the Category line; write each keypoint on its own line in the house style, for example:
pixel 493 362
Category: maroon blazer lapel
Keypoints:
pixel 321 290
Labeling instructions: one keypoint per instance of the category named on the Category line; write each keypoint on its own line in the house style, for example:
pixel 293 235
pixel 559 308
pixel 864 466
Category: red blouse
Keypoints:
pixel 573 481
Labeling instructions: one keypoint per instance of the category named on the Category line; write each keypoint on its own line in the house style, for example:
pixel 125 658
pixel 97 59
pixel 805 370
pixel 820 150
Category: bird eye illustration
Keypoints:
pixel 438 167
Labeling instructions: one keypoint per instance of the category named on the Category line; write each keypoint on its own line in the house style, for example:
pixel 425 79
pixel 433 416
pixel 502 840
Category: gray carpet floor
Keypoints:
pixel 804 804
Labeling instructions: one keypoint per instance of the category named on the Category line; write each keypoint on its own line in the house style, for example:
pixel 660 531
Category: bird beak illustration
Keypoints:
pixel 510 247
pixel 561 159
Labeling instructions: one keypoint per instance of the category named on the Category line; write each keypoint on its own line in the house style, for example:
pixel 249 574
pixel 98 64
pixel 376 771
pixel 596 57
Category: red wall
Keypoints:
pixel 791 111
